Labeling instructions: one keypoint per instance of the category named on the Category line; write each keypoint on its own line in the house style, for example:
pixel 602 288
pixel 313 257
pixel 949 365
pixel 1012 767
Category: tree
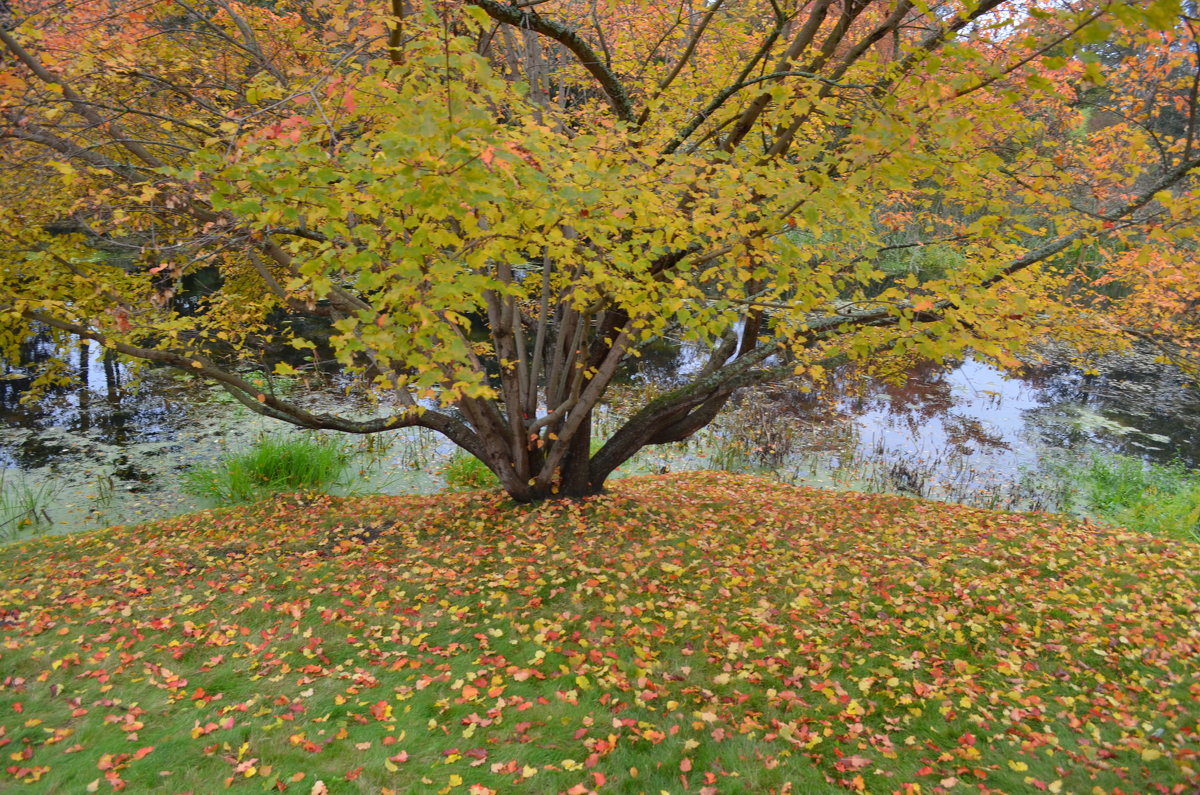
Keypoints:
pixel 497 205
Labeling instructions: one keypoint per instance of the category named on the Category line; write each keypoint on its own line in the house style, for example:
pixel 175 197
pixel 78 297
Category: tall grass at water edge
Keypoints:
pixel 465 472
pixel 24 507
pixel 1162 499
pixel 1154 498
pixel 272 465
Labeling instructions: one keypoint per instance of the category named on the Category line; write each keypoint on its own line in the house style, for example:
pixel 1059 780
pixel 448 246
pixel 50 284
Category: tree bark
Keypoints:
pixel 576 466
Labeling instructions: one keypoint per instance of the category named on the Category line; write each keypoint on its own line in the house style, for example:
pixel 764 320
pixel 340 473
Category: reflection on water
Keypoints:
pixel 101 409
pixel 1133 406
pixel 968 432
pixel 113 449
pixel 975 410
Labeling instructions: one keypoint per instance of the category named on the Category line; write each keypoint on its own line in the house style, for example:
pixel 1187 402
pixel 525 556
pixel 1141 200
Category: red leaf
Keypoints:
pixel 381 711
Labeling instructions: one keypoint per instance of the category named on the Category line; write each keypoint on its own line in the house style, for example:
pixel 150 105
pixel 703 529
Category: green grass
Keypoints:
pixel 465 472
pixel 1153 498
pixel 24 506
pixel 272 465
pixel 689 633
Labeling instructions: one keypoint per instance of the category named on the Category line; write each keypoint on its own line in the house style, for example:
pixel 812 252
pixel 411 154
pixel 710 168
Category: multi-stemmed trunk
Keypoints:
pixel 556 454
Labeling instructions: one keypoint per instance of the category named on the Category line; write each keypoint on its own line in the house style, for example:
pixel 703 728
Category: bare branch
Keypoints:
pixel 614 90
pixel 684 58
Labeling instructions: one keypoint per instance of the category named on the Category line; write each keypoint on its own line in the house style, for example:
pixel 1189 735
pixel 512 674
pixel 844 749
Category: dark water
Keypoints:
pixel 112 447
pixel 107 407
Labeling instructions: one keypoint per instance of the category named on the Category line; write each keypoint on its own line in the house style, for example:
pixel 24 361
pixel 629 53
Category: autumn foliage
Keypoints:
pixel 494 207
pixel 693 633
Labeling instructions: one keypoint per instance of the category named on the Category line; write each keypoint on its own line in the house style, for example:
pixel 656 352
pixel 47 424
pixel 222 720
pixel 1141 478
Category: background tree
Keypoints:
pixel 497 205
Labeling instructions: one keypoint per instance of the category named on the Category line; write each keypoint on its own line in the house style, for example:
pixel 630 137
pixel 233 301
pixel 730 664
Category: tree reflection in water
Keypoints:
pixel 98 407
pixel 967 432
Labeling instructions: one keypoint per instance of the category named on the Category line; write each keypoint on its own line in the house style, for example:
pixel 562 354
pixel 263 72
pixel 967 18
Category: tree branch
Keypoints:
pixel 78 104
pixel 683 59
pixel 614 91
pixel 260 402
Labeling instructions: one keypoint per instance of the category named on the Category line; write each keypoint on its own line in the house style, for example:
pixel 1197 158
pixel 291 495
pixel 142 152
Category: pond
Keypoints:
pixel 972 433
pixel 112 450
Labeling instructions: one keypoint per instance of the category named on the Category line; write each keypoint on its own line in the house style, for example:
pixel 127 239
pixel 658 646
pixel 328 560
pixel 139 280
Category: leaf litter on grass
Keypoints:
pixel 699 633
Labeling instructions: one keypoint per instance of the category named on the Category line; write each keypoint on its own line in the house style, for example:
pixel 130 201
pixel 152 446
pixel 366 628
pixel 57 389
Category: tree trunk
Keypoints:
pixel 573 478
pixel 576 467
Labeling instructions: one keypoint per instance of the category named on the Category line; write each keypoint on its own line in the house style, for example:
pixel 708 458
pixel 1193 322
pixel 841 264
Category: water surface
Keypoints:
pixel 113 448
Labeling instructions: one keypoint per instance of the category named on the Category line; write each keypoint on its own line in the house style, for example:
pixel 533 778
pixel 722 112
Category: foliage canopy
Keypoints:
pixel 497 205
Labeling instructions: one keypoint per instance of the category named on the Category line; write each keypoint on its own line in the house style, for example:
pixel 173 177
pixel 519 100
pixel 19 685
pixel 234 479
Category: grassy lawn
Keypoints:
pixel 687 633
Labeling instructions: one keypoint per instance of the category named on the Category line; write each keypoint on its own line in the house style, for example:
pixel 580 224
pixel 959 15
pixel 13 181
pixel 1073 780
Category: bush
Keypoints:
pixel 274 464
